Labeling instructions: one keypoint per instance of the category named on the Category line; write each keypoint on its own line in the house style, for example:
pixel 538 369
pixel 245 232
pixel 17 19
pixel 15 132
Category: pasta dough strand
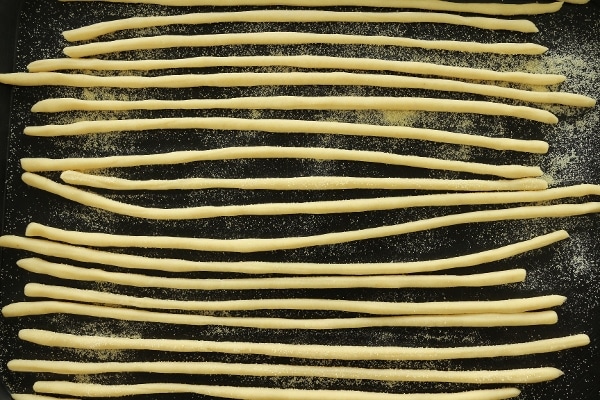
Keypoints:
pixel 303 61
pixel 317 153
pixel 252 79
pixel 288 126
pixel 313 282
pixel 307 351
pixel 286 243
pixel 126 314
pixel 292 38
pixel 299 16
pixel 432 5
pixel 305 103
pixel 367 307
pixel 525 375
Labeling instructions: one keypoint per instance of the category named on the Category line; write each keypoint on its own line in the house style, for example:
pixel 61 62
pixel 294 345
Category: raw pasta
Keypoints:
pixel 303 61
pixel 525 375
pixel 252 393
pixel 367 307
pixel 318 153
pixel 288 126
pixel 298 16
pixel 304 103
pixel 284 243
pixel 308 351
pixel 317 282
pixel 314 207
pixel 126 314
pixel 293 38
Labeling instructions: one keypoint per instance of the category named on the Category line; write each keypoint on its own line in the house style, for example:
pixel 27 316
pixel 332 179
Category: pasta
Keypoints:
pixel 304 78
pixel 307 351
pixel 251 393
pixel 293 38
pixel 312 207
pixel 317 282
pixel 305 183
pixel 304 103
pixel 433 5
pixel 234 153
pixel 288 126
pixel 126 314
pixel 367 307
pixel 525 375
pixel 303 61
pixel 298 16
pixel 284 243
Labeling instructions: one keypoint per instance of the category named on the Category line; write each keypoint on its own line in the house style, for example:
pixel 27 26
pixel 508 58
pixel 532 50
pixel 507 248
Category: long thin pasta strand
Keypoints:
pixel 293 38
pixel 303 103
pixel 368 307
pixel 288 126
pixel 125 314
pixel 316 153
pixel 307 351
pixel 259 244
pixel 62 250
pixel 303 61
pixel 314 207
pixel 524 375
pixel 432 5
pixel 102 28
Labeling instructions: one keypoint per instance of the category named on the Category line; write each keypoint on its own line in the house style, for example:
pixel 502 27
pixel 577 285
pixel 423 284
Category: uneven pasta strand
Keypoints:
pixel 304 61
pixel 299 16
pixel 308 351
pixel 525 375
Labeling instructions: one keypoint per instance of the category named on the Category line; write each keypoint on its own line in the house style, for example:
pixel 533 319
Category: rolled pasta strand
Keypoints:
pixel 250 79
pixel 306 351
pixel 319 282
pixel 367 307
pixel 62 250
pixel 27 396
pixel 312 207
pixel 287 126
pixel 432 5
pixel 317 153
pixel 303 61
pixel 304 103
pixel 256 393
pixel 524 375
pixel 293 38
pixel 285 243
pixel 126 314
pixel 304 183
pixel 102 28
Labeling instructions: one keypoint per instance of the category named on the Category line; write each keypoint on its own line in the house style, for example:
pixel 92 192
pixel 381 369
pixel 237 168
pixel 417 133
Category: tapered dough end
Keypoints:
pixel 24 396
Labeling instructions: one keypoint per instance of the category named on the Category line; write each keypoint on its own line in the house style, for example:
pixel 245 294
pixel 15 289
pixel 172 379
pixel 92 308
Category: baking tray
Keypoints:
pixel 568 268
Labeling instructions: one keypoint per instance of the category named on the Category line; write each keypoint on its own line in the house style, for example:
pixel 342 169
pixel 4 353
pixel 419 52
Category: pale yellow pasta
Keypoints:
pixel 524 375
pixel 304 78
pixel 433 5
pixel 304 103
pixel 257 393
pixel 125 314
pixel 313 282
pixel 288 126
pixel 303 61
pixel 367 307
pixel 312 207
pixel 308 351
pixel 293 38
pixel 283 243
pixel 317 153
pixel 83 254
pixel 299 16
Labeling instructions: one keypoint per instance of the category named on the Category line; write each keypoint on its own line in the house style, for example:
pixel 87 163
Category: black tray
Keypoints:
pixel 569 268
